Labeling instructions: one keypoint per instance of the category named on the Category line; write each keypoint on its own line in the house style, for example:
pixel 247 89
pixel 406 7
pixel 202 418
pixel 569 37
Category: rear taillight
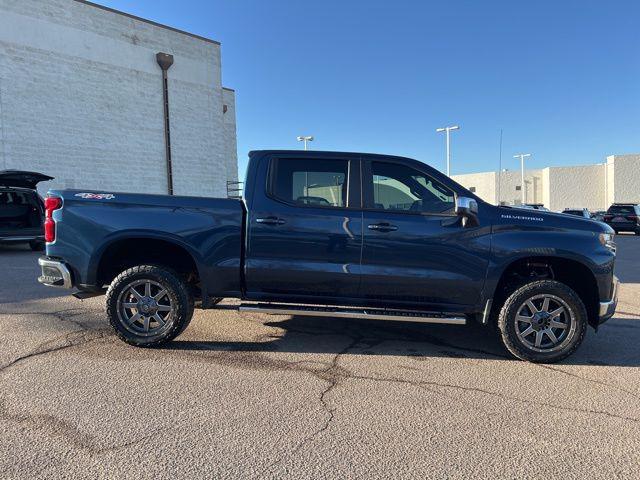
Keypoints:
pixel 608 217
pixel 50 204
pixel 632 218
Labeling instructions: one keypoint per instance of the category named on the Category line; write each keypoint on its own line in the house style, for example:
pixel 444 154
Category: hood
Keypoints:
pixel 20 179
pixel 542 218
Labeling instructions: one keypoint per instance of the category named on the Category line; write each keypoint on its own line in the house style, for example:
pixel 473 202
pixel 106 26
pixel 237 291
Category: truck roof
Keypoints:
pixel 313 153
pixel 434 172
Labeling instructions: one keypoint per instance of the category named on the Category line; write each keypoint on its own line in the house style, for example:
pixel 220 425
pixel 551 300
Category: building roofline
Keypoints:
pixel 150 22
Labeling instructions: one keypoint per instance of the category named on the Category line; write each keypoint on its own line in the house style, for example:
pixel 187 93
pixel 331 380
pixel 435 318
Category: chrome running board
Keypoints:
pixel 358 313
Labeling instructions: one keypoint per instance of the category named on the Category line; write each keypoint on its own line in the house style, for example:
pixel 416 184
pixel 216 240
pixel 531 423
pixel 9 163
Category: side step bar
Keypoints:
pixel 345 312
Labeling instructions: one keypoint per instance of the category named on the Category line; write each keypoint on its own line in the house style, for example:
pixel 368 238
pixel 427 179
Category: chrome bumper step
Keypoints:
pixel 54 273
pixel 356 313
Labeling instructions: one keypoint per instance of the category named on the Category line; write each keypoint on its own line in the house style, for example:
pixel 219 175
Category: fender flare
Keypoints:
pixel 121 235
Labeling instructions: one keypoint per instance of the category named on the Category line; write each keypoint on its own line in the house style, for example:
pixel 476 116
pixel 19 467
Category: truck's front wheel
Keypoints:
pixel 543 321
pixel 148 305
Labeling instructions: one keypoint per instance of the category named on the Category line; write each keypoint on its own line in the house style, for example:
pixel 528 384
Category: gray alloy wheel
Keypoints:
pixel 145 308
pixel 543 321
pixel 149 305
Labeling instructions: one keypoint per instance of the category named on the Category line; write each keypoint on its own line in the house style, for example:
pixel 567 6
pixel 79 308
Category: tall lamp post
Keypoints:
pixel 447 130
pixel 522 156
pixel 305 139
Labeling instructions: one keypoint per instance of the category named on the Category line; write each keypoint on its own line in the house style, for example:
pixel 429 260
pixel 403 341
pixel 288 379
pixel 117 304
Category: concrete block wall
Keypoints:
pixel 594 187
pixel 230 137
pixel 484 184
pixel 581 186
pixel 626 178
pixel 81 100
pixel 609 180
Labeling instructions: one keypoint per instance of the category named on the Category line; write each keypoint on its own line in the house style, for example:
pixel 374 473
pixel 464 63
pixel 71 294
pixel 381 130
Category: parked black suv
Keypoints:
pixel 624 217
pixel 21 208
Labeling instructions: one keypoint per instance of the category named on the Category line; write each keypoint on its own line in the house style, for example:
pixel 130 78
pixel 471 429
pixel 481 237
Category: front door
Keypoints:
pixel 305 230
pixel 416 251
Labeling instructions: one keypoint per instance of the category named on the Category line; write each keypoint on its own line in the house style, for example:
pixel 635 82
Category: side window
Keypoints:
pixel 397 187
pixel 310 182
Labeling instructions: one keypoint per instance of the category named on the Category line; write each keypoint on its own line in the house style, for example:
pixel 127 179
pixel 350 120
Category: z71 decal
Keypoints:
pixel 96 196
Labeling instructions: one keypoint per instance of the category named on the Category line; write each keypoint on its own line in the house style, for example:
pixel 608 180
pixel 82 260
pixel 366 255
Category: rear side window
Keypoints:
pixel 310 181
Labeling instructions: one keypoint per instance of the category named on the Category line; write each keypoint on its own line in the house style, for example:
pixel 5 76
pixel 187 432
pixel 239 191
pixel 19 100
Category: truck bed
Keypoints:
pixel 91 222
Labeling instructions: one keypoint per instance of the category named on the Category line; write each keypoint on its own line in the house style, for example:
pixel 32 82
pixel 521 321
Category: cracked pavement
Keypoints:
pixel 256 396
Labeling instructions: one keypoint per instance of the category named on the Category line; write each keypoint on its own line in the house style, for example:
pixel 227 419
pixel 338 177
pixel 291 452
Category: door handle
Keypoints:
pixel 271 221
pixel 383 227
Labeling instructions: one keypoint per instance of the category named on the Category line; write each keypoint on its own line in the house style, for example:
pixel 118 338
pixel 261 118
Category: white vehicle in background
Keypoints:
pixel 578 212
pixel 533 206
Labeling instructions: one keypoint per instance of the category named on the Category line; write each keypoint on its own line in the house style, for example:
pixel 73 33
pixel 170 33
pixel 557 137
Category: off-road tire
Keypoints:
pixel 507 321
pixel 177 291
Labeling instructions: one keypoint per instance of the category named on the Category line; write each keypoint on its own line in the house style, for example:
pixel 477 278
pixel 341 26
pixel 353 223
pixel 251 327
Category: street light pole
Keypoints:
pixel 447 134
pixel 522 156
pixel 305 139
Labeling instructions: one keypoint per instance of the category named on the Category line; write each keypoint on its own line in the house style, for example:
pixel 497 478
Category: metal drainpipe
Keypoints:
pixel 165 61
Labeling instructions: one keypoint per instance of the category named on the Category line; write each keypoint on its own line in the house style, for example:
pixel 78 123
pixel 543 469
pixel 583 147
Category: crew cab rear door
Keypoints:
pixel 304 228
pixel 416 251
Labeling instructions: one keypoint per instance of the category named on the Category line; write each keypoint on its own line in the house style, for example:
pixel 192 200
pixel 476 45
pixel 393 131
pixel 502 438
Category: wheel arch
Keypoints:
pixel 135 248
pixel 572 272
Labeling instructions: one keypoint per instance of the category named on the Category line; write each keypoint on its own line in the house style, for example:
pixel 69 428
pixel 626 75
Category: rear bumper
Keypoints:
pixel 54 273
pixel 607 309
pixel 624 226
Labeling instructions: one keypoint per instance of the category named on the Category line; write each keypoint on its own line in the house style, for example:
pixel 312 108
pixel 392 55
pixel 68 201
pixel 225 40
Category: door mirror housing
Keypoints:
pixel 467 209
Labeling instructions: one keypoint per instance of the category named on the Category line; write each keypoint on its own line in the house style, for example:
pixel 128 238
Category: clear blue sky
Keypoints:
pixel 561 78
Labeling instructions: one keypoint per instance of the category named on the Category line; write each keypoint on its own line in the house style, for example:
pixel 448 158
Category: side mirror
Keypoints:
pixel 467 209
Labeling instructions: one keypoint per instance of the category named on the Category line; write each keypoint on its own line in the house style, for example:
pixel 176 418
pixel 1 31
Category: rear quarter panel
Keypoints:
pixel 209 229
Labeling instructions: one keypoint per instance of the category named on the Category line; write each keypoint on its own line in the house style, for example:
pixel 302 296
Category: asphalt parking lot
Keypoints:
pixel 240 395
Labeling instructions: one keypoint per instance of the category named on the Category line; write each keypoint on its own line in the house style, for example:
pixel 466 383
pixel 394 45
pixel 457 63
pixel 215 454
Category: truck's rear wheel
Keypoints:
pixel 149 305
pixel 543 321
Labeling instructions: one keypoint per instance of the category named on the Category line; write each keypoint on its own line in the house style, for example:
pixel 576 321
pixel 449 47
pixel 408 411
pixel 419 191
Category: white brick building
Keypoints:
pixel 594 187
pixel 81 99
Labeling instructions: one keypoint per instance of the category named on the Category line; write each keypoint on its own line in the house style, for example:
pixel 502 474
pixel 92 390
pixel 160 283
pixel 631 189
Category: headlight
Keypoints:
pixel 607 240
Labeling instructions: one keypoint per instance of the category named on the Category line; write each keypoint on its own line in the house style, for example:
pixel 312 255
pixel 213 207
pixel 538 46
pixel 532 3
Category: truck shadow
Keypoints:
pixel 19 271
pixel 316 335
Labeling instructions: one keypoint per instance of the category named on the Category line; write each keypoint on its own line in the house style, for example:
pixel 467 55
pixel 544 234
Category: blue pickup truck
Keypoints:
pixel 335 235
